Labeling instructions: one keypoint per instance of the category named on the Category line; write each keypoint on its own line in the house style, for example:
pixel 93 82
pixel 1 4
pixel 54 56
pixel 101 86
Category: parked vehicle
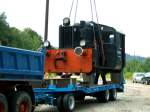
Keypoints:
pixel 137 77
pixel 146 79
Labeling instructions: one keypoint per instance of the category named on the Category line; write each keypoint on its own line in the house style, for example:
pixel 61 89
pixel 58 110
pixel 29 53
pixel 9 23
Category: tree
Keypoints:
pixel 34 37
pixel 146 65
pixel 134 66
pixel 11 36
pixel 4 30
pixel 16 40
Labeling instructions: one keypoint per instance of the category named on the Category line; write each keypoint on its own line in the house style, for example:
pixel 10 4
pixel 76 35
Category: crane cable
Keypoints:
pixel 91 9
pixel 99 27
pixel 100 36
pixel 76 8
pixel 95 45
pixel 76 12
pixel 96 11
pixel 71 8
pixel 99 30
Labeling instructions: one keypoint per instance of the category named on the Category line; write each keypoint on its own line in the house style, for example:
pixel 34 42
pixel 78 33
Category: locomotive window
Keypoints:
pixel 108 37
pixel 111 38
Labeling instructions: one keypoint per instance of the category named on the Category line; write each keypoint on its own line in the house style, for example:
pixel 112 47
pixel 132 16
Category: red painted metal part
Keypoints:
pixel 65 60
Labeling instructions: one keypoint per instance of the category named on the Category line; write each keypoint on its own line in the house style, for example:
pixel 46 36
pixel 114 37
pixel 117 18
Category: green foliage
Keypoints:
pixel 136 66
pixel 128 75
pixel 146 65
pixel 4 30
pixel 11 36
pixel 133 66
pixel 33 38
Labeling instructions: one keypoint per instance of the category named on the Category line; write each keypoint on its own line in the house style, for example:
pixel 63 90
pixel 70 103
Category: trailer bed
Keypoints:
pixel 71 88
pixel 51 91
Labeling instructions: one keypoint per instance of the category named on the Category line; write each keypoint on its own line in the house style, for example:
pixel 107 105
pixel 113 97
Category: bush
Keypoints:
pixel 128 75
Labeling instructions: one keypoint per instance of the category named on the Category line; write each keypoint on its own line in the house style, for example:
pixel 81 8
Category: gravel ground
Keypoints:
pixel 136 98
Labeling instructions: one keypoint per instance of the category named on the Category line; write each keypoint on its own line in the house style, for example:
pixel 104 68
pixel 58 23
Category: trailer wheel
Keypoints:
pixel 3 103
pixel 59 101
pixel 80 98
pixel 21 102
pixel 68 103
pixel 103 96
pixel 112 94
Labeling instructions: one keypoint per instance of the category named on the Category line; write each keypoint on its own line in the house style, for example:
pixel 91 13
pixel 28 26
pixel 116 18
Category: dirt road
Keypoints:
pixel 136 98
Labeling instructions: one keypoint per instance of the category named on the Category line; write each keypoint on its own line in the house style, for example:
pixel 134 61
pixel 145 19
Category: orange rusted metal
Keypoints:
pixel 65 60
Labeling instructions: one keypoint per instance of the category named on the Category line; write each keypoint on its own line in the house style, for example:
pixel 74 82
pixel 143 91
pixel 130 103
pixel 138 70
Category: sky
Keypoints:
pixel 130 17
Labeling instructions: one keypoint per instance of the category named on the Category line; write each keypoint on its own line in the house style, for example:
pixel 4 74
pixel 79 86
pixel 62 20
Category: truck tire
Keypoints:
pixel 112 94
pixel 3 103
pixel 103 96
pixel 21 102
pixel 68 103
pixel 59 103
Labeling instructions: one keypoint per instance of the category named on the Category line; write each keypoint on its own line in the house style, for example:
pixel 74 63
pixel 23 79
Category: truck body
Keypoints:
pixel 18 68
pixel 17 64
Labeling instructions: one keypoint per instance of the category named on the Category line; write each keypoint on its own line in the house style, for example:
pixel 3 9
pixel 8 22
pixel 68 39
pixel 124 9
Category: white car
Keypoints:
pixel 137 77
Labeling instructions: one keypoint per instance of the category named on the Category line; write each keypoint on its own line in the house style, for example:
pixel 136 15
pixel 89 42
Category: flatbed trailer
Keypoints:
pixel 64 96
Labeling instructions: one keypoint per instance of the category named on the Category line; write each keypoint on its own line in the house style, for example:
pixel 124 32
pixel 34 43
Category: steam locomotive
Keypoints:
pixel 89 48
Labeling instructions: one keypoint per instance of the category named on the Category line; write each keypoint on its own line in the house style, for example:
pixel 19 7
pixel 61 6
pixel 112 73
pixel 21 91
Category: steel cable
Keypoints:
pixel 71 8
pixel 76 12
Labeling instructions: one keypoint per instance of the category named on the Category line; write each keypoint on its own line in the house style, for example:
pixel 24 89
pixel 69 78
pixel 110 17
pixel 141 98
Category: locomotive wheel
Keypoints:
pixel 3 103
pixel 68 103
pixel 112 94
pixel 21 102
